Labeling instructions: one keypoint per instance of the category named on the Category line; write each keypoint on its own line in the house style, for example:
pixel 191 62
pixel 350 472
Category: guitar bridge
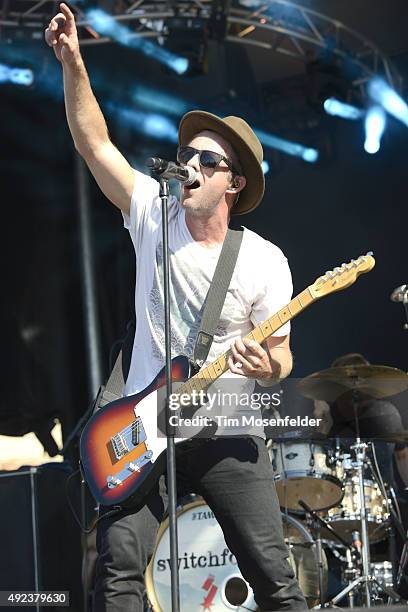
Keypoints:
pixel 126 440
pixel 119 446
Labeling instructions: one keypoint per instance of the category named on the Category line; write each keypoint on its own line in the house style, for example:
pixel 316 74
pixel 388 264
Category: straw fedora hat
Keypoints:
pixel 245 144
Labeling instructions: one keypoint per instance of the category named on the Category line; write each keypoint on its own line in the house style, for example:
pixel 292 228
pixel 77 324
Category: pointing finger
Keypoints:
pixel 67 12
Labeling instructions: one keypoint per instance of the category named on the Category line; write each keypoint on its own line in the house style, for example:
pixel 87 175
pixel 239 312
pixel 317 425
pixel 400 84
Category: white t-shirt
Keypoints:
pixel 261 284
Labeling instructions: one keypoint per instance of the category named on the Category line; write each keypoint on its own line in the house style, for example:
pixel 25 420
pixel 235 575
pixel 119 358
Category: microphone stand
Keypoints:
pixel 170 433
pixel 400 294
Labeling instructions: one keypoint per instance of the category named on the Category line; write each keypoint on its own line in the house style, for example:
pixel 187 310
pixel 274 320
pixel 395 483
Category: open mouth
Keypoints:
pixel 195 185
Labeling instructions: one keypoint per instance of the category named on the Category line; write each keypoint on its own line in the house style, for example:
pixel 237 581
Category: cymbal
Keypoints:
pixel 372 380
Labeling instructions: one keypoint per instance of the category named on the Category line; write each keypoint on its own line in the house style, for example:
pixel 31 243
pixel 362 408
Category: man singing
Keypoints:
pixel 232 472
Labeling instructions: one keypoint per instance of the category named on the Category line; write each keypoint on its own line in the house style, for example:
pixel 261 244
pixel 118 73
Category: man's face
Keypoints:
pixel 213 183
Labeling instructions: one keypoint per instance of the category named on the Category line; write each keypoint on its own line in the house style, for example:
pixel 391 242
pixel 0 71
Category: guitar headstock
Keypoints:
pixel 343 276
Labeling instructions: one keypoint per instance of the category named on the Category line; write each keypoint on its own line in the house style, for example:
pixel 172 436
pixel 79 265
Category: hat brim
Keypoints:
pixel 197 121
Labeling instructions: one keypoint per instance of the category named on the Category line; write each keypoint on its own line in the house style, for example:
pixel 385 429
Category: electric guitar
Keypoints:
pixel 122 454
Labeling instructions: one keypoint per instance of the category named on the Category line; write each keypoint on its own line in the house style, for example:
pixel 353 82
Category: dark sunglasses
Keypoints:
pixel 208 159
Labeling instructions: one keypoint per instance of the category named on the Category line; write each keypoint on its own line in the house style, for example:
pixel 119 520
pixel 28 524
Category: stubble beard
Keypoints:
pixel 200 208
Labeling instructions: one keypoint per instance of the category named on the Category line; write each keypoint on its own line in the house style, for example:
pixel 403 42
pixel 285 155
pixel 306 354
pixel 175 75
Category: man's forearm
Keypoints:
pixel 85 119
pixel 281 365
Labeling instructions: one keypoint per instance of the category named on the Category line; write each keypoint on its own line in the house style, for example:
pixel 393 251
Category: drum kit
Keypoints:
pixel 334 504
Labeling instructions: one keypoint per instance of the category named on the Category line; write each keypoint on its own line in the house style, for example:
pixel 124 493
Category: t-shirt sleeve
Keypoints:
pixel 144 207
pixel 274 287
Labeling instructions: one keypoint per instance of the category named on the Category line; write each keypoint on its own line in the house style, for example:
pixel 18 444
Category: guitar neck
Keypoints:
pixel 203 379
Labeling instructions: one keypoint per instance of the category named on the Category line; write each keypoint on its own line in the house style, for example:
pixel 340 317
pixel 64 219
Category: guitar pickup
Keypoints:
pixel 137 428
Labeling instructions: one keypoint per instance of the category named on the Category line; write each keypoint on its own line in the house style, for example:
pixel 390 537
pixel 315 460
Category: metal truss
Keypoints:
pixel 277 26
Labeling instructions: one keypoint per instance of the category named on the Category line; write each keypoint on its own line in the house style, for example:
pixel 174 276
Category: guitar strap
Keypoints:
pixel 216 295
pixel 213 304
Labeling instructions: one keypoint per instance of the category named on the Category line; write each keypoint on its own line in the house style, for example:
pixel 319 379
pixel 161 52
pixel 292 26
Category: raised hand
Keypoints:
pixel 62 36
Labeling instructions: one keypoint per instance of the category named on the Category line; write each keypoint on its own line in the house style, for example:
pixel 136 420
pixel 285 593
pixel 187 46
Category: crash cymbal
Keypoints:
pixel 372 380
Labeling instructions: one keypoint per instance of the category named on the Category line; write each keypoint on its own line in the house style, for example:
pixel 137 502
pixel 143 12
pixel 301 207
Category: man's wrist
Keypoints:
pixel 75 65
pixel 268 382
pixel 271 379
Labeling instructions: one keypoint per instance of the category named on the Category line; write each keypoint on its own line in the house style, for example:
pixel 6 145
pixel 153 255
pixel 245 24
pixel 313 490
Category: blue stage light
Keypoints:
pixel 310 155
pixel 335 107
pixel 160 127
pixel 157 100
pixel 374 128
pixel 292 148
pixel 150 124
pixel 18 76
pixel 389 99
pixel 105 24
pixel 179 64
pixel 265 167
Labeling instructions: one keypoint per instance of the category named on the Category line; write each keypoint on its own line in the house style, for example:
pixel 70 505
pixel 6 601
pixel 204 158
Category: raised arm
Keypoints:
pixel 86 122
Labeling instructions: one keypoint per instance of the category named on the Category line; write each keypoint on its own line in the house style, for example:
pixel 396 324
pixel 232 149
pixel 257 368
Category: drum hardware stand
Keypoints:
pixel 401 579
pixel 365 578
pixel 395 525
pixel 317 522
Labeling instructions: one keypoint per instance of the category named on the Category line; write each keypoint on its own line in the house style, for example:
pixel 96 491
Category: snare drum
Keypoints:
pixel 209 575
pixel 303 470
pixel 346 517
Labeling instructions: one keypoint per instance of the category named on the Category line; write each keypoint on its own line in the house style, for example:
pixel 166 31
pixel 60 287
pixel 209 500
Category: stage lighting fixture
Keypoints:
pixel 157 100
pixel 105 24
pixel 389 99
pixel 337 108
pixel 291 148
pixel 187 38
pixel 325 79
pixel 18 76
pixel 265 167
pixel 374 128
pixel 217 23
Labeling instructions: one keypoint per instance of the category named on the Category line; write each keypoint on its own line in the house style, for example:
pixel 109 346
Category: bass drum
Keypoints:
pixel 209 574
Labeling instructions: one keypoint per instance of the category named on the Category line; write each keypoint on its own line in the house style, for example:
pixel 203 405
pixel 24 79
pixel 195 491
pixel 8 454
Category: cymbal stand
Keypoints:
pixel 365 579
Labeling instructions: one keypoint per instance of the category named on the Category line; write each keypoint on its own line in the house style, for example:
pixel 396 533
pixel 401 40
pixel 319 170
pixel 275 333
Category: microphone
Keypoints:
pixel 171 170
pixel 400 294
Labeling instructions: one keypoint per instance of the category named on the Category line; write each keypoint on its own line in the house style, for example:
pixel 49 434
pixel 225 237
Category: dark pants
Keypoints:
pixel 235 477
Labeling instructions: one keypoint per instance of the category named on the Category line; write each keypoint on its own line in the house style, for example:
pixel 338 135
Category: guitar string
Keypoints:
pixel 132 428
pixel 128 429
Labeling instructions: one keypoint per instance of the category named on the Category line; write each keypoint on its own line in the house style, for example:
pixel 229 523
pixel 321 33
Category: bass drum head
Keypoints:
pixel 208 571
